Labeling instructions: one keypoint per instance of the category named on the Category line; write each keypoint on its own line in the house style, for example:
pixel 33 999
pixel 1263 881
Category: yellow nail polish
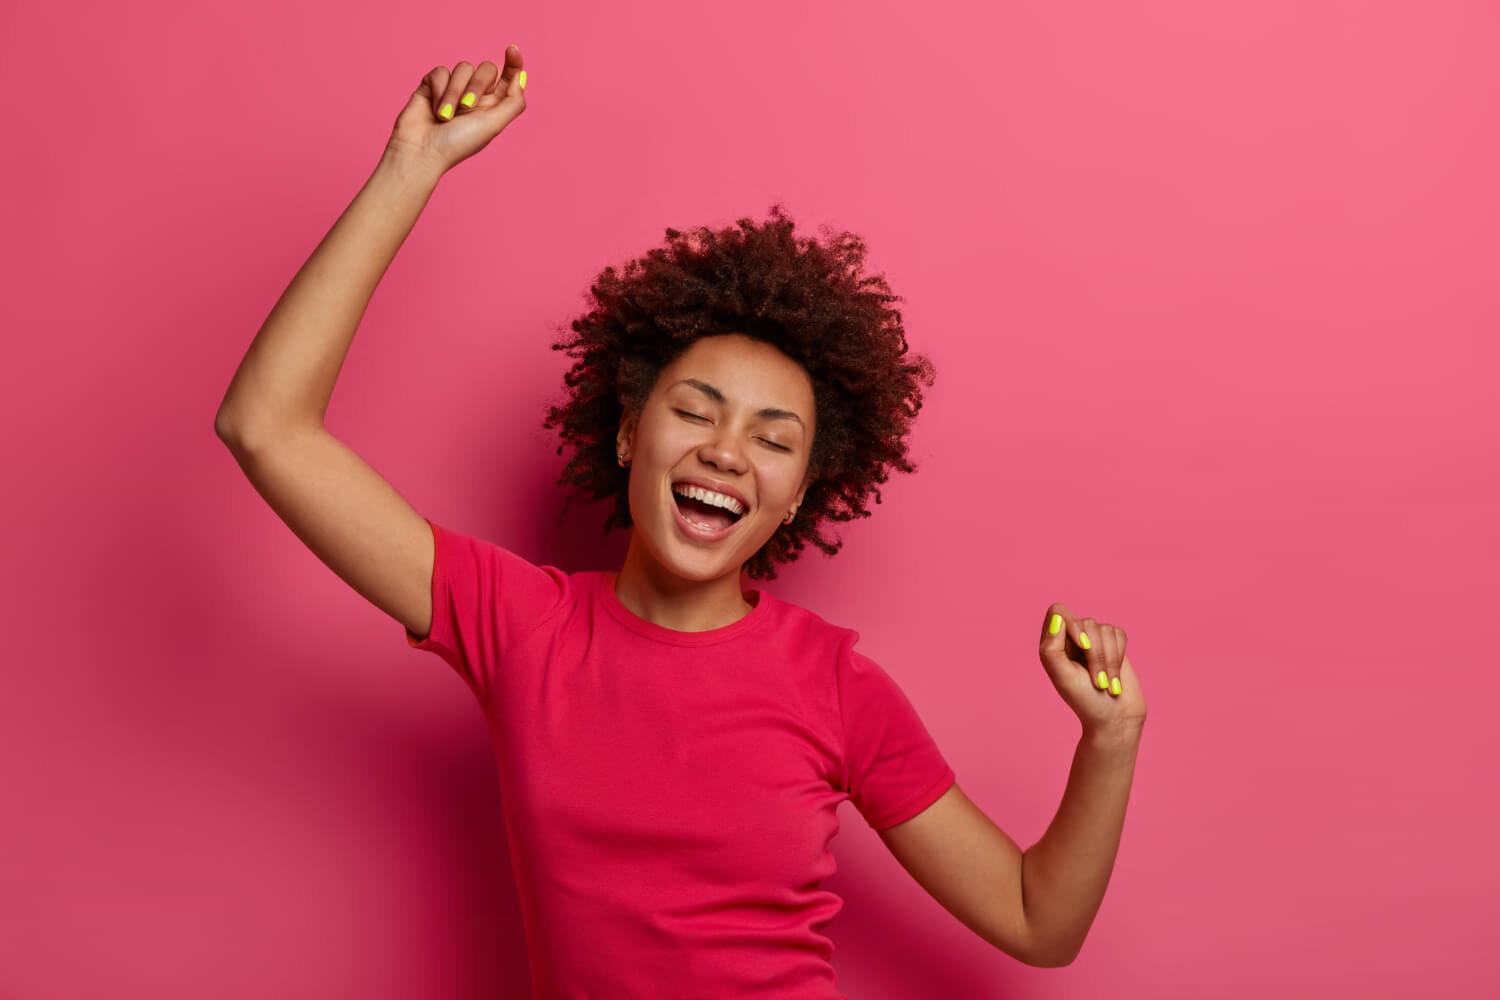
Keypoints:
pixel 1102 680
pixel 1054 624
pixel 468 100
pixel 523 79
pixel 1114 686
pixel 445 112
pixel 1083 640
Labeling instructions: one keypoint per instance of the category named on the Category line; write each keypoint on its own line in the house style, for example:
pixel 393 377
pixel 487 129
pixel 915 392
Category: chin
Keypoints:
pixel 702 562
pixel 699 565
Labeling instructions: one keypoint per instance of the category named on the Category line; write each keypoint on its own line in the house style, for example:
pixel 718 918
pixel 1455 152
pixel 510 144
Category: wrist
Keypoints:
pixel 410 165
pixel 1125 736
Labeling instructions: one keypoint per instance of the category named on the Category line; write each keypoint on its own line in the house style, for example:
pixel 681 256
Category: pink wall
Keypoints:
pixel 1212 294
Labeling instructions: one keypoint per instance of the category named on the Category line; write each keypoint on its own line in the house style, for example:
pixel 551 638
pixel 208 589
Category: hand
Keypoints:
pixel 1075 670
pixel 499 98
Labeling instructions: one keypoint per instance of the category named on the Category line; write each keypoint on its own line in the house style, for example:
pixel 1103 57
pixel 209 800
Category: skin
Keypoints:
pixel 1037 905
pixel 672 580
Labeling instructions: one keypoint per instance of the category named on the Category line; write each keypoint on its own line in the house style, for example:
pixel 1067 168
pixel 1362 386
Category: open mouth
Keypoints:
pixel 704 515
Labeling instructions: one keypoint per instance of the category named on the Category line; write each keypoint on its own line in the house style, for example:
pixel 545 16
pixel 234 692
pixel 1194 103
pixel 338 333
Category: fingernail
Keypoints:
pixel 1114 686
pixel 1083 640
pixel 1054 624
pixel 523 79
pixel 1102 680
pixel 468 100
pixel 445 112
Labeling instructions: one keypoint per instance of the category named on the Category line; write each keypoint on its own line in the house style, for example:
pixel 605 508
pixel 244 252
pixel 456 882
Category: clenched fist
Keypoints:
pixel 452 116
pixel 1087 664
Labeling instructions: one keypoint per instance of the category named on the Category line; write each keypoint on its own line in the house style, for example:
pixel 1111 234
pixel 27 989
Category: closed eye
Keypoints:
pixel 695 416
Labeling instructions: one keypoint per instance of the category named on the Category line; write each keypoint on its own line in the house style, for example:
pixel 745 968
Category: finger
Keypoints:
pixel 457 83
pixel 1055 628
pixel 435 82
pixel 1093 652
pixel 1120 640
pixel 421 97
pixel 1109 645
pixel 479 85
pixel 513 65
pixel 505 99
pixel 512 93
pixel 1059 636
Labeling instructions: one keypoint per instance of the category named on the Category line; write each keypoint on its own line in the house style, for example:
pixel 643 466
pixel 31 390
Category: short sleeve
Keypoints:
pixel 485 599
pixel 892 767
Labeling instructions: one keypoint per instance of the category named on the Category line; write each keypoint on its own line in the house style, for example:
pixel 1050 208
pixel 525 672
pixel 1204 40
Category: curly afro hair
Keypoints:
pixel 810 301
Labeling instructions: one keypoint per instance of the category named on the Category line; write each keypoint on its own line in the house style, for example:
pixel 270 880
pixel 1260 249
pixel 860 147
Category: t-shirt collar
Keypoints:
pixel 660 633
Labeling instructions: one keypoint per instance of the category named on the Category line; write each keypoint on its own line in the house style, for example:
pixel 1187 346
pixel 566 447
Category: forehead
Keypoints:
pixel 746 370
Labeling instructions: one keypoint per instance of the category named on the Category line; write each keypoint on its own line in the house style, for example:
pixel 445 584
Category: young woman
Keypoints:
pixel 672 745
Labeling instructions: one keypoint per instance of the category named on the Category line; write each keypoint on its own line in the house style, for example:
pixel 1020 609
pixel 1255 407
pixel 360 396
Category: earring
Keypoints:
pixel 621 460
pixel 789 515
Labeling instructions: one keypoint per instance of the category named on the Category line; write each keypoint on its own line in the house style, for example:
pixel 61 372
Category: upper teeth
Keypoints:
pixel 710 497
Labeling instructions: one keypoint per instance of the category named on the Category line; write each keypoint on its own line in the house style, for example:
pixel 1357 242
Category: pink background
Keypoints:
pixel 1212 294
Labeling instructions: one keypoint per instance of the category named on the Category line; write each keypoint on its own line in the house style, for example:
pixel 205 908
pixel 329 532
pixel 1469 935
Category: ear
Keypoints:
pixel 802 492
pixel 625 437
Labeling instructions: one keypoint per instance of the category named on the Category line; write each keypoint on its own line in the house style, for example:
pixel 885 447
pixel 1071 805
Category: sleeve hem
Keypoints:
pixel 848 640
pixel 916 805
pixel 432 643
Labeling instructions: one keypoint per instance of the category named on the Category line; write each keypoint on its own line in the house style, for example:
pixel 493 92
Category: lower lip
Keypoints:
pixel 698 534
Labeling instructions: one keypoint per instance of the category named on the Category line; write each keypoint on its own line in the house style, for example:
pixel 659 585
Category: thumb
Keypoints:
pixel 1060 637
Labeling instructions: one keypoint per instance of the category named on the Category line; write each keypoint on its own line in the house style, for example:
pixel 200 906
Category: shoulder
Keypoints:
pixel 804 630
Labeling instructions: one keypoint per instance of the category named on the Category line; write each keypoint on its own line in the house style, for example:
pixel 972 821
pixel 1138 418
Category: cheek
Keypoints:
pixel 773 498
pixel 664 442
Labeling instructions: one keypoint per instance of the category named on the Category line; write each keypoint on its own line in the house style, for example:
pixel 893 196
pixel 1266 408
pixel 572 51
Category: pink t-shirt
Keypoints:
pixel 670 796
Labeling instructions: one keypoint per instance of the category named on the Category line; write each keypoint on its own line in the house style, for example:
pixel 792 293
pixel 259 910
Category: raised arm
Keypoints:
pixel 287 376
pixel 273 412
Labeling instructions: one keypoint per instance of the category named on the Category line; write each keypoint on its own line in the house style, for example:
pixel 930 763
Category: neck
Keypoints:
pixel 651 592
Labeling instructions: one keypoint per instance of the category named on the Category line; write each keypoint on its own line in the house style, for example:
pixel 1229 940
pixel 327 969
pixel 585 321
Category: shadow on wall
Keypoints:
pixel 885 947
pixel 484 946
pixel 534 498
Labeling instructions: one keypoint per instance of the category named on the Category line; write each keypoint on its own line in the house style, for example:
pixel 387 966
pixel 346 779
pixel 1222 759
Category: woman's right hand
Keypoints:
pixel 498 98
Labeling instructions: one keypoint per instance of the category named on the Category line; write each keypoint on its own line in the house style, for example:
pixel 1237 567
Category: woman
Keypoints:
pixel 672 746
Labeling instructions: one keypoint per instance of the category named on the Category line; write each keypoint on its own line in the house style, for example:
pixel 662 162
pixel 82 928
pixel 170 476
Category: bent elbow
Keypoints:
pixel 1055 959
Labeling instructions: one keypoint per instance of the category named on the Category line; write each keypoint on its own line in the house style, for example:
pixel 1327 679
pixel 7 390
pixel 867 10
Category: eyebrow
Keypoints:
pixel 770 412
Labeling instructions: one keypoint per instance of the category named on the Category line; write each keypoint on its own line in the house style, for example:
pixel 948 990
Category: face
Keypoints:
pixel 732 412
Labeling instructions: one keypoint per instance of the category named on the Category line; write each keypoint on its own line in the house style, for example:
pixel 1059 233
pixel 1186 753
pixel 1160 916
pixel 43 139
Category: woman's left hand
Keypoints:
pixel 1076 664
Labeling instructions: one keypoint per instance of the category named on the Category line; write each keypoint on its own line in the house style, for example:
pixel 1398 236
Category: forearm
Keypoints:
pixel 1064 875
pixel 289 372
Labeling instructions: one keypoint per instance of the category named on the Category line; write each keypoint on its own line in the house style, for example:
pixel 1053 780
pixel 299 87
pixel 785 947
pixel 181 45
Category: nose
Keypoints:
pixel 724 452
